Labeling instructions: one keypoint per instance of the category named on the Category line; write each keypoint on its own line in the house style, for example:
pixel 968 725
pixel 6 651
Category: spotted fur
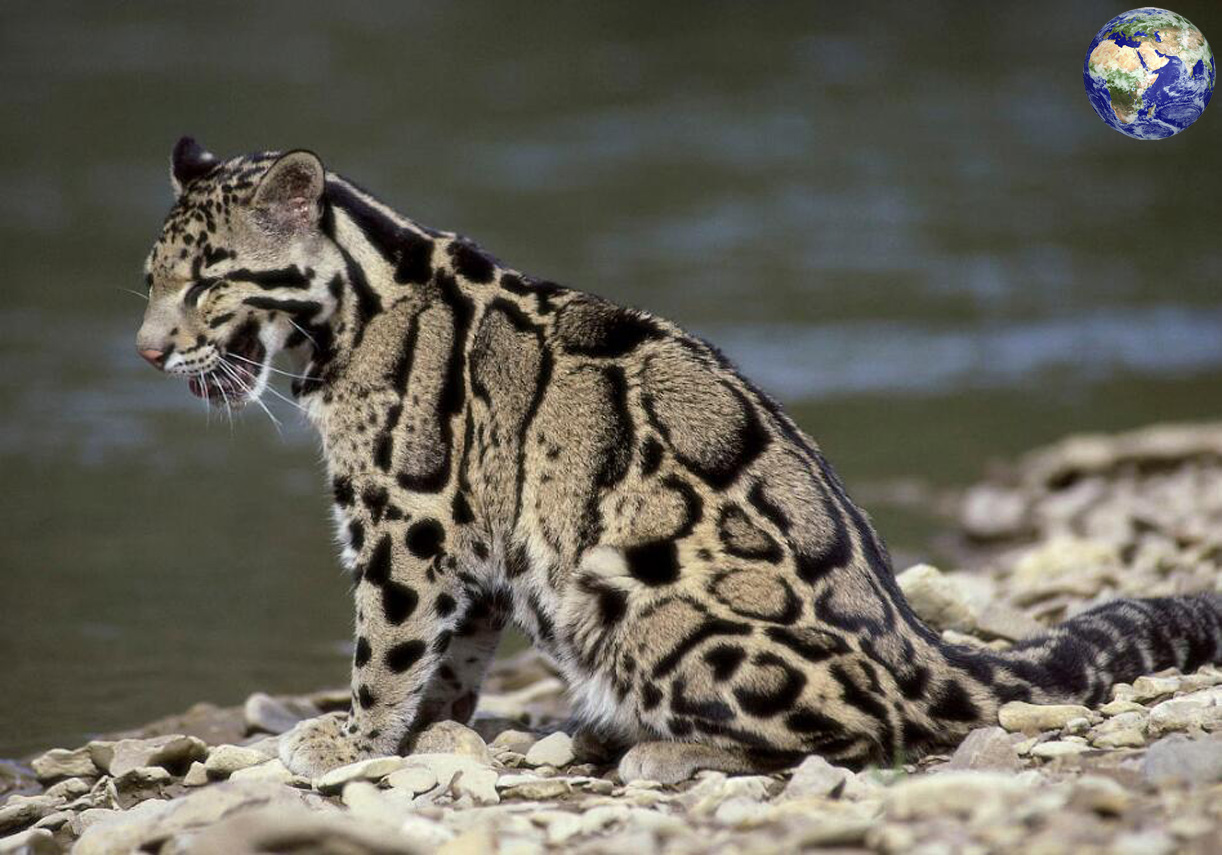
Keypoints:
pixel 503 449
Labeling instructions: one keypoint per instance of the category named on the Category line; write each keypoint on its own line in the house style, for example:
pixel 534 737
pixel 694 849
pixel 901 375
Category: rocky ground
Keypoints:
pixel 1064 528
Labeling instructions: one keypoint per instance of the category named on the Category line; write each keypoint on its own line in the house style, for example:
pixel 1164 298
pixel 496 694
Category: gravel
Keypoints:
pixel 1067 527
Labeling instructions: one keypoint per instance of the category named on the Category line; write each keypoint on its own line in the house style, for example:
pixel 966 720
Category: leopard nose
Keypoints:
pixel 153 357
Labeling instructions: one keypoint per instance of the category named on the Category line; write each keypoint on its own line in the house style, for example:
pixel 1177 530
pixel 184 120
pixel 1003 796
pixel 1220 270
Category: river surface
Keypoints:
pixel 906 223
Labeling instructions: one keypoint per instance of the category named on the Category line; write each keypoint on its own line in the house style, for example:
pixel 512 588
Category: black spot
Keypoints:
pixel 679 727
pixel 913 682
pixel 403 656
pixel 460 510
pixel 724 659
pixel 766 704
pixel 854 695
pixel 650 696
pixel 470 262
pixel 366 697
pixel 383 450
pixel 362 652
pixel 442 642
pixel 954 704
pixel 415 253
pixel 398 602
pixel 356 535
pixel 743 538
pixel 445 672
pixel 654 563
pixel 612 606
pixel 444 605
pixel 341 489
pixel 375 498
pixel 424 538
pixel 591 327
pixel 377 569
pixel 810 722
pixel 651 456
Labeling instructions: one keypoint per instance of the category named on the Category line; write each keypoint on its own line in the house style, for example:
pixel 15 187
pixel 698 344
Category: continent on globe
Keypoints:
pixel 1149 73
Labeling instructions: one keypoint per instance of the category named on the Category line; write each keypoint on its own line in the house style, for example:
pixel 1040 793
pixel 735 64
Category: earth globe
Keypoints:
pixel 1149 73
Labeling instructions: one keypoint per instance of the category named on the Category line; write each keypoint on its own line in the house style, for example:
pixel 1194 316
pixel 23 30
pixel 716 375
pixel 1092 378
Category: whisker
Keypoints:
pixel 233 373
pixel 137 293
pixel 268 367
pixel 304 333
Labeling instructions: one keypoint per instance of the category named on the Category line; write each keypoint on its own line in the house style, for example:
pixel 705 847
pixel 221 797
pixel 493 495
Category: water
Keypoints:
pixel 907 223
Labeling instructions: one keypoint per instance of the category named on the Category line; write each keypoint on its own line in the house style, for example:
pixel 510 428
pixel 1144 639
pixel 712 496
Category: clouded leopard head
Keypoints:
pixel 242 270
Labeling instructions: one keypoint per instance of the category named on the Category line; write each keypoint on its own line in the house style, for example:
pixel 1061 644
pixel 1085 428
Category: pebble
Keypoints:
pixel 1180 759
pixel 814 777
pixel 450 737
pixel 1101 795
pixel 69 789
pixel 172 752
pixel 224 760
pixel 271 770
pixel 1146 689
pixel 20 811
pixel 538 789
pixel 1056 748
pixel 61 763
pixel 263 713
pixel 936 599
pixel 372 769
pixel 555 750
pixel 987 748
pixel 517 741
pixel 1019 716
pixel 465 776
pixel 956 793
pixel 196 776
pixel 413 779
pixel 1201 709
pixel 33 841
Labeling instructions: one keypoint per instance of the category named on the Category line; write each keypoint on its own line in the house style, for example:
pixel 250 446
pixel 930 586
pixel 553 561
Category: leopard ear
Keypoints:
pixel 289 194
pixel 189 161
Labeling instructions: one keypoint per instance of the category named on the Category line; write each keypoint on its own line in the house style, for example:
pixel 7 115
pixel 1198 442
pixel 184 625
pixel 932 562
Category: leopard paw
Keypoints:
pixel 318 745
pixel 672 762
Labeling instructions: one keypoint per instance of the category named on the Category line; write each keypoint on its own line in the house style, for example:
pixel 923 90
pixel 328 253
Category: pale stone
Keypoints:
pixel 477 841
pixel 1019 716
pixel 462 775
pixel 1124 737
pixel 987 748
pixel 993 513
pixel 959 793
pixel 196 776
pixel 372 769
pixel 1116 707
pixel 1152 688
pixel 598 818
pixel 69 788
pixel 33 841
pixel 61 763
pixel 294 828
pixel 172 752
pixel 539 790
pixel 997 620
pixel 276 715
pixel 1201 709
pixel 814 777
pixel 936 599
pixel 413 779
pixel 1056 748
pixel 426 832
pixel 1077 726
pixel 555 750
pixel 517 741
pixel 1178 758
pixel 272 770
pixel 1151 842
pixel 20 811
pixel 450 737
pixel 224 760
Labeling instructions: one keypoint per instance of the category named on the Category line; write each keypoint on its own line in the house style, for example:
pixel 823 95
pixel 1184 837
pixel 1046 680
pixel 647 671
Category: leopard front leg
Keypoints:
pixel 454 691
pixel 406 612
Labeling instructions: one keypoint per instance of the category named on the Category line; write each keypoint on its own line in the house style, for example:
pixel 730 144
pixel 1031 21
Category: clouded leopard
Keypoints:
pixel 504 449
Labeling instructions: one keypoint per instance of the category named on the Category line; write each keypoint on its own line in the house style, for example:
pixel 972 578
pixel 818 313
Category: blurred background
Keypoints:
pixel 904 220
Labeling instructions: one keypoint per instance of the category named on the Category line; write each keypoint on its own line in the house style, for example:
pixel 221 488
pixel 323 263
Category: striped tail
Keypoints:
pixel 1080 660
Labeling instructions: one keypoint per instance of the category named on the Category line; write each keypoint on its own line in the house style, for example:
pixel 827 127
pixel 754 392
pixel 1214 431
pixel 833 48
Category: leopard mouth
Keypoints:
pixel 236 375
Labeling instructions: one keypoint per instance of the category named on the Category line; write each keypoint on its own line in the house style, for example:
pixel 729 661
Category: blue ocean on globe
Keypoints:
pixel 1149 73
